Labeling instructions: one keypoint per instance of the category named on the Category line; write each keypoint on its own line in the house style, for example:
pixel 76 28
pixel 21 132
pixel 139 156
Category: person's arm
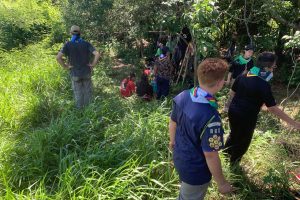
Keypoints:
pixel 155 69
pixel 172 131
pixel 211 142
pixel 283 116
pixel 96 58
pixel 214 164
pixel 158 52
pixel 61 61
pixel 231 95
pixel 228 78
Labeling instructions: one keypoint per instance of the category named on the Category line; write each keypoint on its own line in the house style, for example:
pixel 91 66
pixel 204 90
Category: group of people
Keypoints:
pixel 155 79
pixel 161 69
pixel 195 128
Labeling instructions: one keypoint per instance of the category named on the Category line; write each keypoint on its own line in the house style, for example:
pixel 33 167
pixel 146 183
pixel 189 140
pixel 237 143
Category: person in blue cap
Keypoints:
pixel 249 93
pixel 196 133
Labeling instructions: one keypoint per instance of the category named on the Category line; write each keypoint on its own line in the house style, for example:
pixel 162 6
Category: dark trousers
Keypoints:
pixel 163 87
pixel 242 127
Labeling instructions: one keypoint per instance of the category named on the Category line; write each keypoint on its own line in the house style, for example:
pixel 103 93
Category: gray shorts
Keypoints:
pixel 192 192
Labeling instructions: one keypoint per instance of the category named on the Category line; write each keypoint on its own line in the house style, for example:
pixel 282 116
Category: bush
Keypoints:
pixel 18 27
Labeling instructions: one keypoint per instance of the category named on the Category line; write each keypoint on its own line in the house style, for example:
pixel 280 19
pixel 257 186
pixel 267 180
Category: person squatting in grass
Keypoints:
pixel 128 87
pixel 249 92
pixel 78 53
pixel 196 133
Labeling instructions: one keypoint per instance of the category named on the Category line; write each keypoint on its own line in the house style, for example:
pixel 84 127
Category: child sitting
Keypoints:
pixel 127 87
pixel 144 89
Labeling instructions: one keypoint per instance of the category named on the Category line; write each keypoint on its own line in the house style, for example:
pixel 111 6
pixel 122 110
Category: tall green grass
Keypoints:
pixel 114 148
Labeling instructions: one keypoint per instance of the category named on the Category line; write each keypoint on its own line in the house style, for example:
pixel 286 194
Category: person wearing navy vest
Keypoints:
pixel 196 133
pixel 78 53
pixel 249 93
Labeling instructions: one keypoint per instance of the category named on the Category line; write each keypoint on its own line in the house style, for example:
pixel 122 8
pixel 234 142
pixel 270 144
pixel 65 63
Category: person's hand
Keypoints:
pixel 171 145
pixel 226 188
pixel 264 107
pixel 91 65
pixel 227 82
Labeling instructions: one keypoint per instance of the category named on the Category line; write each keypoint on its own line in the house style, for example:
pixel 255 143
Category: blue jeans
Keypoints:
pixel 163 87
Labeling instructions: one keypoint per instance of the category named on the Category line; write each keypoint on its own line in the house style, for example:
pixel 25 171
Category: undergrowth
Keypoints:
pixel 113 149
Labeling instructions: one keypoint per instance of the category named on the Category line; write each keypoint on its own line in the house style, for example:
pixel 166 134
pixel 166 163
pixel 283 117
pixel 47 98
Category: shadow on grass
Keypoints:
pixel 250 190
pixel 61 136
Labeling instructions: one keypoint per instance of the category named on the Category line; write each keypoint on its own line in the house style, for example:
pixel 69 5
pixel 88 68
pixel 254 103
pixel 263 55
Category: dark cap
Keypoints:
pixel 249 47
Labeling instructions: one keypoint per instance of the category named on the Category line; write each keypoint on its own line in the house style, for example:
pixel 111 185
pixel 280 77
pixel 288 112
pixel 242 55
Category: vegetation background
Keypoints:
pixel 116 148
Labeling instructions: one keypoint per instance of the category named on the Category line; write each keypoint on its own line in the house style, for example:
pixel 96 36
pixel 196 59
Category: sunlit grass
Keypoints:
pixel 114 148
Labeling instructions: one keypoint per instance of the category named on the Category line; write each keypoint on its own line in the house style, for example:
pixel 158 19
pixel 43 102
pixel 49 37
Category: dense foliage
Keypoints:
pixel 26 21
pixel 263 23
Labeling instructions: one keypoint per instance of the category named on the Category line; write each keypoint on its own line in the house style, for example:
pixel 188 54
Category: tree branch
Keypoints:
pixel 246 22
pixel 288 96
pixel 280 19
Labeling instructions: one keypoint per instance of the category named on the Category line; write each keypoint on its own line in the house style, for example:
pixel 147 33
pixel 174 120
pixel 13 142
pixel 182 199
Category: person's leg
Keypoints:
pixel 159 85
pixel 167 88
pixel 87 91
pixel 77 86
pixel 241 132
pixel 163 87
pixel 228 101
pixel 192 192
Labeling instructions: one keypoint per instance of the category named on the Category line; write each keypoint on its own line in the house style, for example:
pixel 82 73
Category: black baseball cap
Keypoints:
pixel 249 47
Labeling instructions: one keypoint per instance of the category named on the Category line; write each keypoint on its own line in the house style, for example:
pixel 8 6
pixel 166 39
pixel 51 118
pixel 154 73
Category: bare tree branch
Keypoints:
pixel 246 22
pixel 225 11
pixel 288 96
